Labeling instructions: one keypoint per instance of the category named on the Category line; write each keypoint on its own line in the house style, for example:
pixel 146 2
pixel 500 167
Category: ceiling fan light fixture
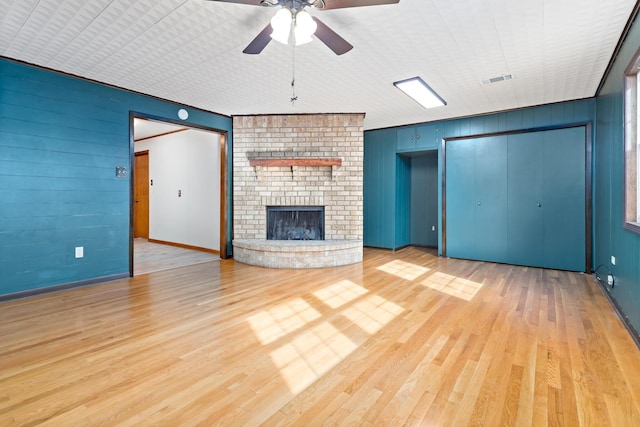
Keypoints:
pixel 281 25
pixel 420 92
pixel 305 27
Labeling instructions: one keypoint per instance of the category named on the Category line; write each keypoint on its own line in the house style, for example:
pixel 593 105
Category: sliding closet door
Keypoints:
pixel 564 206
pixel 476 195
pixel 491 199
pixel 525 222
pixel 518 199
pixel 461 198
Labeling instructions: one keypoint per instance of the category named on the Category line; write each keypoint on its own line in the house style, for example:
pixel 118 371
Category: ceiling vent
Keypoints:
pixel 496 79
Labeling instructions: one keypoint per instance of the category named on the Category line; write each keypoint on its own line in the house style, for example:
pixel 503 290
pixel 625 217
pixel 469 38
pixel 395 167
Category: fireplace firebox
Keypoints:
pixel 295 222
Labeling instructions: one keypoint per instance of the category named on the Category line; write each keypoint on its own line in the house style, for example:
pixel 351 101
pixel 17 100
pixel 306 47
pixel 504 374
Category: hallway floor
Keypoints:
pixel 149 257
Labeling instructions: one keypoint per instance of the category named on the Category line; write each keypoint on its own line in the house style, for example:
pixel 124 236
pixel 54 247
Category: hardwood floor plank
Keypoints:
pixel 512 401
pixel 405 338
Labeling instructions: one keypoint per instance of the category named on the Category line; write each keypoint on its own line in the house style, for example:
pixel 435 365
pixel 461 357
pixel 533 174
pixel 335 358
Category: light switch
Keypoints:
pixel 121 172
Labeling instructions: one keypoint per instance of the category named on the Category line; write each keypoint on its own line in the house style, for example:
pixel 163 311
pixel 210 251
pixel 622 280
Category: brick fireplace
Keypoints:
pixel 298 160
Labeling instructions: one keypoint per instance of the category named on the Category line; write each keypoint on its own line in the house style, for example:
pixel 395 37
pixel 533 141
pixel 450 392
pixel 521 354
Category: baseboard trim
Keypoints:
pixel 180 245
pixel 62 287
pixel 624 319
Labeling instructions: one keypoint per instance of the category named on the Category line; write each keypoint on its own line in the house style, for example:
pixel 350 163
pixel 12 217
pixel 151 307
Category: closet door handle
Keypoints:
pixel 539 205
pixel 479 203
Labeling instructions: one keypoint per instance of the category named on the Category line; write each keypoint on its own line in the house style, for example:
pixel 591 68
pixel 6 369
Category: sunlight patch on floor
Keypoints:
pixel 403 269
pixel 340 293
pixel 282 320
pixel 310 353
pixel 372 313
pixel 452 285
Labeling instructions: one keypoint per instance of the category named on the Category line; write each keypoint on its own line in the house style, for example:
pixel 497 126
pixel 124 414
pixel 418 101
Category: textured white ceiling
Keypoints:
pixel 190 51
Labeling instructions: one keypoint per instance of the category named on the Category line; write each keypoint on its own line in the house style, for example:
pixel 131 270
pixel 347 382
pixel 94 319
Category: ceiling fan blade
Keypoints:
pixel 249 2
pixel 329 37
pixel 341 4
pixel 260 42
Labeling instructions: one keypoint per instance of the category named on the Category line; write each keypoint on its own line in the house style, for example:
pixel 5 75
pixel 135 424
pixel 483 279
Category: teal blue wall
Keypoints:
pixel 379 188
pixel 384 204
pixel 61 139
pixel 610 236
pixel 403 201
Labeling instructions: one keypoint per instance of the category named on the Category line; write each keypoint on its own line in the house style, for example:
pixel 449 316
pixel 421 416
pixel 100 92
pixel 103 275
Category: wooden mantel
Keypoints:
pixel 307 161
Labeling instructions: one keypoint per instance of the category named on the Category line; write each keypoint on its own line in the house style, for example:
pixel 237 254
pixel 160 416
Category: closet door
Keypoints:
pixel 518 199
pixel 491 199
pixel 525 219
pixel 547 212
pixel 460 198
pixel 476 196
pixel 564 199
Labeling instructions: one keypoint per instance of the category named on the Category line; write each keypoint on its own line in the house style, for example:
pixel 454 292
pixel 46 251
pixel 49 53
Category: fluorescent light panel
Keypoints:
pixel 417 89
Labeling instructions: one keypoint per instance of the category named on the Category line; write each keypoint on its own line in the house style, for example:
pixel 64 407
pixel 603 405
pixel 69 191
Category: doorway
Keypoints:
pixel 178 194
pixel 423 227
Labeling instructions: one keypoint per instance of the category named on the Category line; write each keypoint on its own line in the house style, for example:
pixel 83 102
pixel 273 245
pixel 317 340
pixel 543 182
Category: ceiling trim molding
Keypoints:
pixel 296 114
pixel 616 51
pixel 481 114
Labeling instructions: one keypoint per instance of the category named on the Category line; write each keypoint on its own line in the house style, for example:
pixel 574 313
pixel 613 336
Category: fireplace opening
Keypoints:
pixel 295 222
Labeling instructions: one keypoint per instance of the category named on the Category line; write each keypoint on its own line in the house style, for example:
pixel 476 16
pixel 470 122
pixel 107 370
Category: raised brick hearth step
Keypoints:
pixel 297 253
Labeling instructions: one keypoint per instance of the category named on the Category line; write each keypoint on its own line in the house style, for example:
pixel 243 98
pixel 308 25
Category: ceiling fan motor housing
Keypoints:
pixel 322 32
pixel 294 5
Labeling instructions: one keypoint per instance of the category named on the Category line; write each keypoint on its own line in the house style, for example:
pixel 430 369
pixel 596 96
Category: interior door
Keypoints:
pixel 526 204
pixel 518 199
pixel 565 209
pixel 491 198
pixel 141 195
pixel 461 198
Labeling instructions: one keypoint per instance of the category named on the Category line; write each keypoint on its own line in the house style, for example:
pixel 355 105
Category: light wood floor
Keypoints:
pixel 405 338
pixel 149 256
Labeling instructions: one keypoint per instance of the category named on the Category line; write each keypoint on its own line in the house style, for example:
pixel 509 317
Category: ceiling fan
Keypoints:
pixel 293 14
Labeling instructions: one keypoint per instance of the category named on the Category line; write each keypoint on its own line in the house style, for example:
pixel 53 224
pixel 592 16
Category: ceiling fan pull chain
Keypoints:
pixel 294 98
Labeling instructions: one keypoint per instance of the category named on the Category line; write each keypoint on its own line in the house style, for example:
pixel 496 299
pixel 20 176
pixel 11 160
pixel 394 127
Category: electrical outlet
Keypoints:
pixel 433 228
pixel 610 280
pixel 79 251
pixel 613 260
